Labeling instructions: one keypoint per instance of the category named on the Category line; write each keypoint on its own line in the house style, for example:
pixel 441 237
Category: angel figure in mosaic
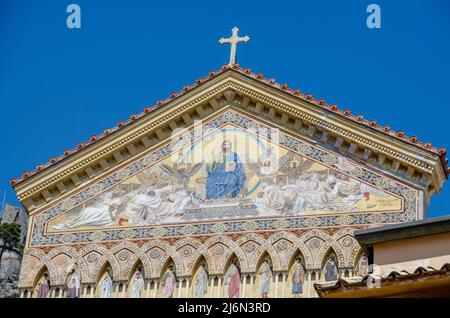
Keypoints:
pixel 181 174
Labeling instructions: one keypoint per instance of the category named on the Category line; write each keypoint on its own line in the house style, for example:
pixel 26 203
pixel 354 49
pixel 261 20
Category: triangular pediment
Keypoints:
pixel 229 172
pixel 135 138
pixel 234 173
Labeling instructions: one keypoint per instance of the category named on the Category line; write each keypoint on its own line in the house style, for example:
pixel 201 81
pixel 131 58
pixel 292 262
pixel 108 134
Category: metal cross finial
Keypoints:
pixel 235 39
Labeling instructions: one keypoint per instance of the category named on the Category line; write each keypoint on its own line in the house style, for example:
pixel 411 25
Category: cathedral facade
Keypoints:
pixel 236 186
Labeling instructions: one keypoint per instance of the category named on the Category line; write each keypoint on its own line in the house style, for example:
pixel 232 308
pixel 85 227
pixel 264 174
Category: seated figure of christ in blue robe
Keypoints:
pixel 226 177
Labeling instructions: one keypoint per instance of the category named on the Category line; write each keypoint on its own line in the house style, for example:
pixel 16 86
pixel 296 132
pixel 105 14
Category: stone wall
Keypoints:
pixel 10 263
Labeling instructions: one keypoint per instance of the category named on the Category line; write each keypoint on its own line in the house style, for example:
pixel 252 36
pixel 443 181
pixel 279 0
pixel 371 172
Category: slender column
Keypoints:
pixel 21 294
pixel 219 287
pixel 61 293
pixel 116 291
pixel 211 287
pixel 308 284
pixel 147 292
pixel 180 283
pixel 155 288
pixel 283 287
pixel 53 293
pixel 92 291
pixel 186 291
pixel 124 290
pixel 30 294
pixel 350 273
pixel 84 291
pixel 318 279
pixel 252 280
pixel 244 283
pixel 276 285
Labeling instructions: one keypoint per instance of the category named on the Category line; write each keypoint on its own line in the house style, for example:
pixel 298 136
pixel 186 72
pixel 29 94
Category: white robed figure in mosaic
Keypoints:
pixel 265 276
pixel 100 211
pixel 106 286
pixel 137 285
pixel 201 284
pixel 73 285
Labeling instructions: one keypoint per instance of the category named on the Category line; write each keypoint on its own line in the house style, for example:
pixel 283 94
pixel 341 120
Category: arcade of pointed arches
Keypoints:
pixel 322 256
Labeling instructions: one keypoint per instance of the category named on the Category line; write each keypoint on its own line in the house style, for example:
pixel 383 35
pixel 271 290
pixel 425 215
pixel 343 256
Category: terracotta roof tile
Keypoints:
pixel 320 102
pixel 360 282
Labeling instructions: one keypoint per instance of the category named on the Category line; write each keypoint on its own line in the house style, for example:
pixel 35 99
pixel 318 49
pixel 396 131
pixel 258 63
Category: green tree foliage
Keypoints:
pixel 9 238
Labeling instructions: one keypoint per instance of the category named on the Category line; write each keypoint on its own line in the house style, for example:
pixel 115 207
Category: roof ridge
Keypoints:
pixel 259 77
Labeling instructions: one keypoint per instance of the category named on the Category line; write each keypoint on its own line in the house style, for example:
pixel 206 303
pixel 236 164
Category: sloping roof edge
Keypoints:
pixel 319 102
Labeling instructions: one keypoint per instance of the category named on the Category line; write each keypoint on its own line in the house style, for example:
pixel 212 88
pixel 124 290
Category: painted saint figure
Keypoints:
pixel 168 283
pixel 226 175
pixel 330 270
pixel 106 286
pixel 73 285
pixel 265 276
pixel 201 284
pixel 362 266
pixel 137 285
pixel 297 278
pixel 43 287
pixel 233 279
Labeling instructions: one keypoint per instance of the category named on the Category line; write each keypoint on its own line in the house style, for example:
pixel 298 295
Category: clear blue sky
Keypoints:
pixel 59 86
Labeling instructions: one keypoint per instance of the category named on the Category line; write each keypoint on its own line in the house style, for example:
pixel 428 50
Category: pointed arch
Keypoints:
pixel 169 262
pixel 264 283
pixel 106 257
pixel 192 247
pixel 324 250
pixel 228 254
pixel 43 261
pixel 153 265
pixel 296 275
pixel 296 244
pixel 135 266
pixel 200 253
pixel 344 242
pixel 140 286
pixel 195 272
pixel 232 247
pixel 133 258
pixel 75 260
pixel 43 271
pixel 232 258
pixel 259 253
pixel 106 267
pixel 330 266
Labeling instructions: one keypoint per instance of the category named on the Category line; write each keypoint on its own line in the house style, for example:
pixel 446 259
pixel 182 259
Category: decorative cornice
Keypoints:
pixel 87 159
pixel 259 77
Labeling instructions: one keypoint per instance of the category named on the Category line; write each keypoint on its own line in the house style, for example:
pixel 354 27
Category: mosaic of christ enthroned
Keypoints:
pixel 228 174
